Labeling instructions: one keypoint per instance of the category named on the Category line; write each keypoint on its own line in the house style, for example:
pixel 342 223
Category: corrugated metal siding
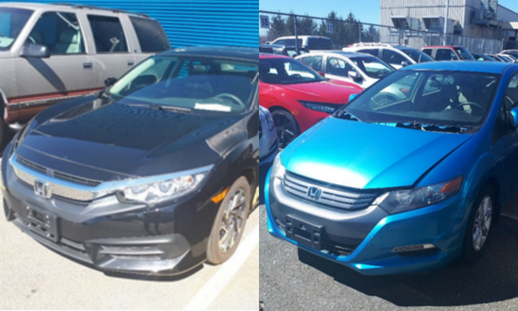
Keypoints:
pixel 194 22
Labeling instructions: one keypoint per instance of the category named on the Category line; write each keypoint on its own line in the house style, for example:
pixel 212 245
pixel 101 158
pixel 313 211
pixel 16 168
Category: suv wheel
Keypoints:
pixel 230 222
pixel 479 225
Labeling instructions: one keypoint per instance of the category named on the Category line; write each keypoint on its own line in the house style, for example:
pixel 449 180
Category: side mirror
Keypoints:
pixel 33 50
pixel 512 117
pixel 352 96
pixel 354 75
pixel 110 81
pixel 405 63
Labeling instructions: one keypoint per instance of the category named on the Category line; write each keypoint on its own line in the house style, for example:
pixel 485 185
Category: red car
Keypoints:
pixel 298 96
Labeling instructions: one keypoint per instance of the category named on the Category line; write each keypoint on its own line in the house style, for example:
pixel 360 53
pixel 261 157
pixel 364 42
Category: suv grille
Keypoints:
pixel 331 195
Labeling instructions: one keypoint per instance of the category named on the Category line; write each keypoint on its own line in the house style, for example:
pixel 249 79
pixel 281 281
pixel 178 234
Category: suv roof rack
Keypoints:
pixel 91 7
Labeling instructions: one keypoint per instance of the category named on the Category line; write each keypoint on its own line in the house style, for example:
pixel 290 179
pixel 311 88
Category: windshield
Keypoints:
pixel 439 98
pixel 320 44
pixel 12 21
pixel 190 83
pixel 417 56
pixel 464 54
pixel 286 71
pixel 372 66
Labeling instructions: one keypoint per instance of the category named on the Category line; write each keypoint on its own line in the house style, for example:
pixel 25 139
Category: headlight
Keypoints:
pixel 163 188
pixel 278 169
pixel 405 200
pixel 322 107
pixel 269 121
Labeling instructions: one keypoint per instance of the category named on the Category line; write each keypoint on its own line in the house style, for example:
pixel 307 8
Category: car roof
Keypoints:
pixel 339 53
pixel 443 46
pixel 470 66
pixel 223 51
pixel 59 6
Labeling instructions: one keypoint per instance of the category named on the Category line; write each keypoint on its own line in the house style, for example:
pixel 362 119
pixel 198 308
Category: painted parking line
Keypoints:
pixel 210 291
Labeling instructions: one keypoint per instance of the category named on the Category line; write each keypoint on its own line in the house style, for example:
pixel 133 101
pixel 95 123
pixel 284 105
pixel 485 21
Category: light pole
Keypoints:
pixel 446 22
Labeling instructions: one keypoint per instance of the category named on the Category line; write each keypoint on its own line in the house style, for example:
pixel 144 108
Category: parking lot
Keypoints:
pixel 292 280
pixel 34 277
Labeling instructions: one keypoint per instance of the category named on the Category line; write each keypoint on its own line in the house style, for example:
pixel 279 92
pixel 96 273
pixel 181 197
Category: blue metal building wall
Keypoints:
pixel 193 22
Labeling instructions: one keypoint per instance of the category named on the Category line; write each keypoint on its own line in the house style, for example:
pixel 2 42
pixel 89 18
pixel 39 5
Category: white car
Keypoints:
pixel 313 43
pixel 395 55
pixel 360 69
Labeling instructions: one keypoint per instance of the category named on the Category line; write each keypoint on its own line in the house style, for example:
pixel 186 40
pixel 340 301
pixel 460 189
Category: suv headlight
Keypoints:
pixel 278 169
pixel 405 200
pixel 322 107
pixel 157 189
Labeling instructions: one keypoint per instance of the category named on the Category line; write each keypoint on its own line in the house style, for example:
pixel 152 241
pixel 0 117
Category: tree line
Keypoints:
pixel 345 31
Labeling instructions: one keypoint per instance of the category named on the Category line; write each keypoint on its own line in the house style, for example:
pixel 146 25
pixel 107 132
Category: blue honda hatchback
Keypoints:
pixel 408 176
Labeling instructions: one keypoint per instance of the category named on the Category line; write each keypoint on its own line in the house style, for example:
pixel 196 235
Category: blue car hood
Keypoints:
pixel 367 156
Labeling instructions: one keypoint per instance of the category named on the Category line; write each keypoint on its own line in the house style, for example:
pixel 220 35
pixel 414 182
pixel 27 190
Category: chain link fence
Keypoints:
pixel 347 31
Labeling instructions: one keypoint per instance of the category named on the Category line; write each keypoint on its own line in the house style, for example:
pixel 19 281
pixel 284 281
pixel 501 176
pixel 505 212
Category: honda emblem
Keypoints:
pixel 42 189
pixel 314 193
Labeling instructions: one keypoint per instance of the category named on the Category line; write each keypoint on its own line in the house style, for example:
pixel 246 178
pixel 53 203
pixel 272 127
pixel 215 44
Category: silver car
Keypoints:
pixel 50 53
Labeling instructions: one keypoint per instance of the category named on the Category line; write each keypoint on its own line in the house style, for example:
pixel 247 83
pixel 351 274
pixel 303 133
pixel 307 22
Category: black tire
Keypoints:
pixel 8 212
pixel 470 253
pixel 286 125
pixel 215 254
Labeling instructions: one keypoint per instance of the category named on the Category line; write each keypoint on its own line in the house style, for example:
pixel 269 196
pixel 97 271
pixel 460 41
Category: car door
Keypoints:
pixel 66 73
pixel 112 56
pixel 338 69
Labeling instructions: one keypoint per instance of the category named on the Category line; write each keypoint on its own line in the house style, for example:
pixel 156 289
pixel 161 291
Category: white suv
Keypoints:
pixel 395 55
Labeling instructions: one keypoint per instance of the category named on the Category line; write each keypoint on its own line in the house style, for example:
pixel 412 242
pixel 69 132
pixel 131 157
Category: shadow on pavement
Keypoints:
pixel 493 278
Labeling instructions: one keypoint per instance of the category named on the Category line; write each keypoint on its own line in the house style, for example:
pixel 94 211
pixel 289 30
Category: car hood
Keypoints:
pixel 119 141
pixel 367 156
pixel 330 91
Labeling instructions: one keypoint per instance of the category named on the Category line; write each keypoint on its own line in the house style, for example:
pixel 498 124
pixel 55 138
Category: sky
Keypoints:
pixel 367 11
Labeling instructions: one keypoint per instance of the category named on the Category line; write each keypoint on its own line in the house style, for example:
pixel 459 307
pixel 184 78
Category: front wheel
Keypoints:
pixel 479 225
pixel 230 222
pixel 287 127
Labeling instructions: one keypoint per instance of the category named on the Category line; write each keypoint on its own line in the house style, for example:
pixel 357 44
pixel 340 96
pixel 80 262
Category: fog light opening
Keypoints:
pixel 415 249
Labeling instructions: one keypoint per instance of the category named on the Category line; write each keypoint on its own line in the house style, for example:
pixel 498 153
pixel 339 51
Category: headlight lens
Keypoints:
pixel 321 107
pixel 163 190
pixel 278 169
pixel 405 200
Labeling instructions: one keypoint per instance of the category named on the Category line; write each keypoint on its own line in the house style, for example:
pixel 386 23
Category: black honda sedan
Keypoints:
pixel 154 175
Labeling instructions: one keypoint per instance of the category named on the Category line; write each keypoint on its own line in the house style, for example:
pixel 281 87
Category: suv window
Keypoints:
pixel 392 57
pixel 12 22
pixel 428 52
pixel 314 62
pixel 445 54
pixel 150 34
pixel 320 44
pixel 108 34
pixel 373 52
pixel 60 32
pixel 339 67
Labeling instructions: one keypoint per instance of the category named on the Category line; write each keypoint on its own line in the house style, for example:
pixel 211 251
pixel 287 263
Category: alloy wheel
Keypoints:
pixel 286 129
pixel 231 224
pixel 482 223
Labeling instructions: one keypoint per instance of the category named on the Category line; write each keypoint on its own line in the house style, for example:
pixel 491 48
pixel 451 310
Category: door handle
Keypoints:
pixel 131 63
pixel 87 65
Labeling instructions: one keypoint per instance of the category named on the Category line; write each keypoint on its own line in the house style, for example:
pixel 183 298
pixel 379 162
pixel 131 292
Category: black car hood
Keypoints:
pixel 119 141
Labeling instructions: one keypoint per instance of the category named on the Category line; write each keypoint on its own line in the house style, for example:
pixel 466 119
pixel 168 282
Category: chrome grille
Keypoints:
pixel 332 195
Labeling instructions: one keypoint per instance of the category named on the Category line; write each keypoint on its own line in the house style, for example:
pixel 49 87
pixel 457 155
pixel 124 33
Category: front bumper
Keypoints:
pixel 113 236
pixel 364 240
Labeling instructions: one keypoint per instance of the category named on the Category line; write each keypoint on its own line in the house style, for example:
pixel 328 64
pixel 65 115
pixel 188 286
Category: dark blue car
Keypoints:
pixel 406 184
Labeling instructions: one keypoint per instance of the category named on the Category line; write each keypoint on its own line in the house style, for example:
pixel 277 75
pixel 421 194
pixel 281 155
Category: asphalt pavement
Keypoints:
pixel 297 280
pixel 34 277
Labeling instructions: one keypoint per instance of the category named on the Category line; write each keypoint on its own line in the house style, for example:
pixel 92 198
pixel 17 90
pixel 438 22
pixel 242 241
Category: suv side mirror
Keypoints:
pixel 33 50
pixel 512 118
pixel 355 75
pixel 110 81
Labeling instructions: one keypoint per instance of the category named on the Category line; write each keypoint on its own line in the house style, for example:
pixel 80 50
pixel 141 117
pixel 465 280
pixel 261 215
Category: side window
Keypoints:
pixel 60 32
pixel 108 34
pixel 339 67
pixel 280 42
pixel 314 62
pixel 392 57
pixel 150 34
pixel 428 52
pixel 373 52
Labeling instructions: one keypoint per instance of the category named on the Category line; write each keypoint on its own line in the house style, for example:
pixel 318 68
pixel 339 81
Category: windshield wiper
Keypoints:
pixel 161 107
